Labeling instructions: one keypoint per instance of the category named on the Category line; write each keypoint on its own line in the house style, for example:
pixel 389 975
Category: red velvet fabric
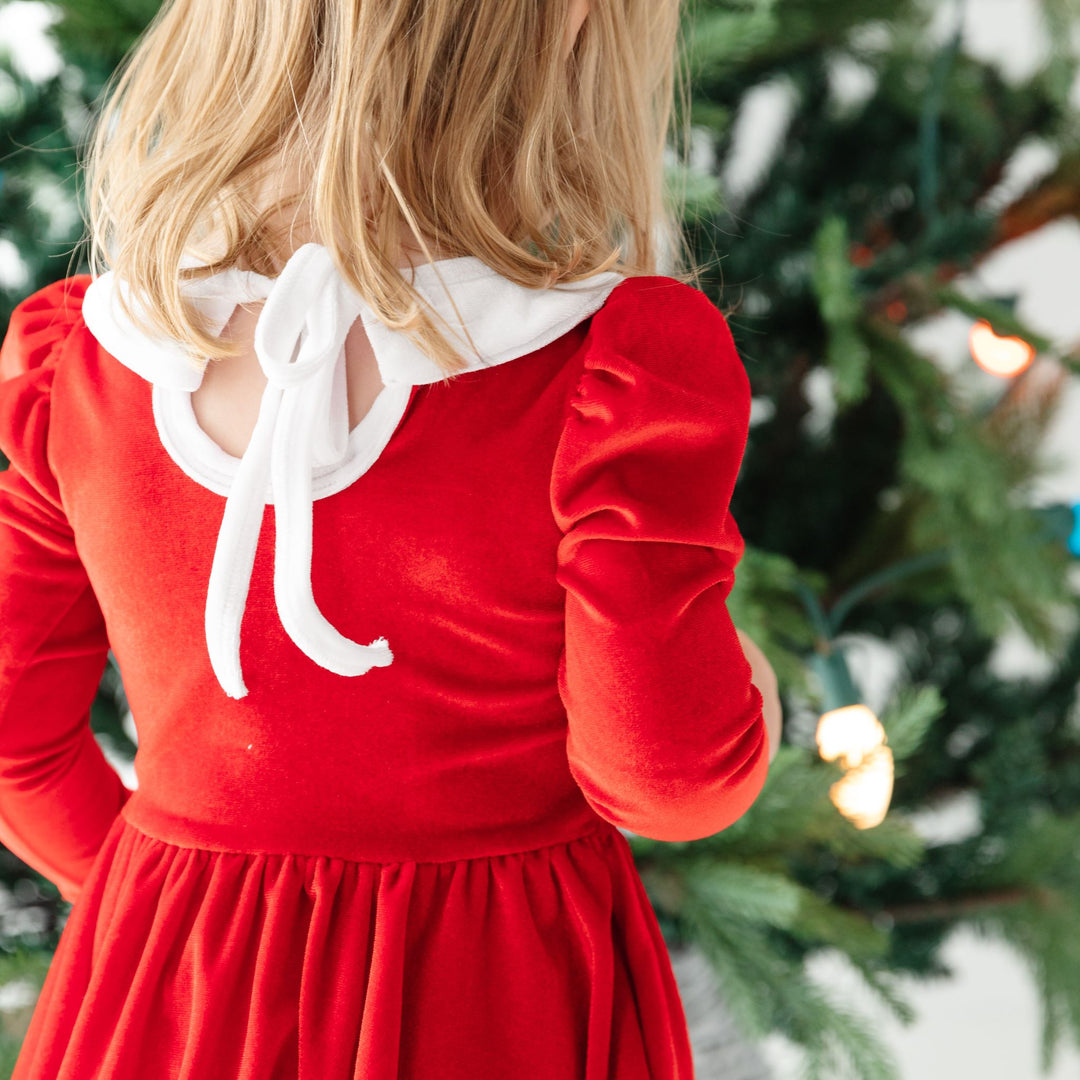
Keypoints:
pixel 417 872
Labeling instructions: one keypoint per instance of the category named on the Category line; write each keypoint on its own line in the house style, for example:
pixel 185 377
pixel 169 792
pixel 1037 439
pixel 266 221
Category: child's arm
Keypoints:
pixel 58 794
pixel 666 735
pixel 764 678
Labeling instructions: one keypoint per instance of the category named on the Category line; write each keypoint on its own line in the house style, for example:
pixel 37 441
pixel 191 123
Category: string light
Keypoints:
pixel 863 793
pixel 1006 357
pixel 848 732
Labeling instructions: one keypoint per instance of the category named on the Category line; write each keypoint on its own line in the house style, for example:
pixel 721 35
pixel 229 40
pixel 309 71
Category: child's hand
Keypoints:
pixel 764 678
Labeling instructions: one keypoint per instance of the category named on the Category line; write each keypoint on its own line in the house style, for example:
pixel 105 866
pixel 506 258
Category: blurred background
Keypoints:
pixel 884 196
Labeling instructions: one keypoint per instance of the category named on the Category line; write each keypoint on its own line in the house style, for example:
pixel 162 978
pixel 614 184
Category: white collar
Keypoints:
pixel 303 422
pixel 313 301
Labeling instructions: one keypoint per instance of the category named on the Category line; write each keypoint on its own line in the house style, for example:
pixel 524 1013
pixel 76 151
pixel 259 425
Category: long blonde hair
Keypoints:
pixel 463 120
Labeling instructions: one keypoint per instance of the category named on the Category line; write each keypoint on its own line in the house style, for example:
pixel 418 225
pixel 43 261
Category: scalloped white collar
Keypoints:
pixel 301 447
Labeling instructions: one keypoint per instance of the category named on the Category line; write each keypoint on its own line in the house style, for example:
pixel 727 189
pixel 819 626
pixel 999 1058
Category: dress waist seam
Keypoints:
pixel 602 830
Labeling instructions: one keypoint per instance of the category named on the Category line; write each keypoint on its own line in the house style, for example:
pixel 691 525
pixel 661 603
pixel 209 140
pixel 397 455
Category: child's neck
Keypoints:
pixel 408 250
pixel 295 237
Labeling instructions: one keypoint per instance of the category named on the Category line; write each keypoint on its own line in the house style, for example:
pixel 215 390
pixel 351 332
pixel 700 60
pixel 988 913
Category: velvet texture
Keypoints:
pixel 417 872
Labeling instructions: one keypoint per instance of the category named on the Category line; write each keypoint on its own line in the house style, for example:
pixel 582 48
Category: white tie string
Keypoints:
pixel 303 421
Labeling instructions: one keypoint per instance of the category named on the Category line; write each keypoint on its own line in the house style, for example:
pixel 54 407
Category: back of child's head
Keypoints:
pixel 479 125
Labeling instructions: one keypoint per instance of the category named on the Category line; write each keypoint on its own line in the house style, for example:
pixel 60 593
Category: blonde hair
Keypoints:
pixel 463 119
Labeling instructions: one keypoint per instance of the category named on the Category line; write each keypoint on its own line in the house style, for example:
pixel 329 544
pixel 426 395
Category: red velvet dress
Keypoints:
pixel 419 872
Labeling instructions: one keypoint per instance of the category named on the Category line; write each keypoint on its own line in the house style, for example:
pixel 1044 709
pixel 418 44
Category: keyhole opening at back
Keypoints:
pixel 226 403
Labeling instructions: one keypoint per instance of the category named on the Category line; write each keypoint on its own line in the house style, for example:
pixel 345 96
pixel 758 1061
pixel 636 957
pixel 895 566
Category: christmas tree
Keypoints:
pixel 900 512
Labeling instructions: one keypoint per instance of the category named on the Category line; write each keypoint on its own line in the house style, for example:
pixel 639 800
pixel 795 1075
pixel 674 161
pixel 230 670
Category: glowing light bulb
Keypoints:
pixel 848 733
pixel 853 735
pixel 1004 356
pixel 863 793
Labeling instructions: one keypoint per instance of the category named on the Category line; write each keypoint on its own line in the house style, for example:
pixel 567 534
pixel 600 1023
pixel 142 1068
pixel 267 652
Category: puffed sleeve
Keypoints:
pixel 666 736
pixel 58 794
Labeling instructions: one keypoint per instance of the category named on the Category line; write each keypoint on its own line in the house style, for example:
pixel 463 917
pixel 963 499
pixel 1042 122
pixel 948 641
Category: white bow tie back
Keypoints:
pixel 303 420
pixel 300 344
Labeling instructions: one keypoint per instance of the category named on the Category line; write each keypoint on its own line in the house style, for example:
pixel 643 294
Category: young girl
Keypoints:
pixel 407 520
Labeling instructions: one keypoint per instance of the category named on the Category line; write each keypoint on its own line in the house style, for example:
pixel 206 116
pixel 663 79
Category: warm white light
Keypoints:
pixel 1004 356
pixel 848 733
pixel 854 736
pixel 863 793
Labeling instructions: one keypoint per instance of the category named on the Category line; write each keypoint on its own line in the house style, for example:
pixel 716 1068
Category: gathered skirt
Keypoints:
pixel 186 963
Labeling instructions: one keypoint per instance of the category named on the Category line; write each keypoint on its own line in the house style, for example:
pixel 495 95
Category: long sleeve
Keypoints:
pixel 58 794
pixel 666 736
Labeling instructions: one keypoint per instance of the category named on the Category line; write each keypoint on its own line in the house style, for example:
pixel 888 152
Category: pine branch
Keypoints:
pixel 960 907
